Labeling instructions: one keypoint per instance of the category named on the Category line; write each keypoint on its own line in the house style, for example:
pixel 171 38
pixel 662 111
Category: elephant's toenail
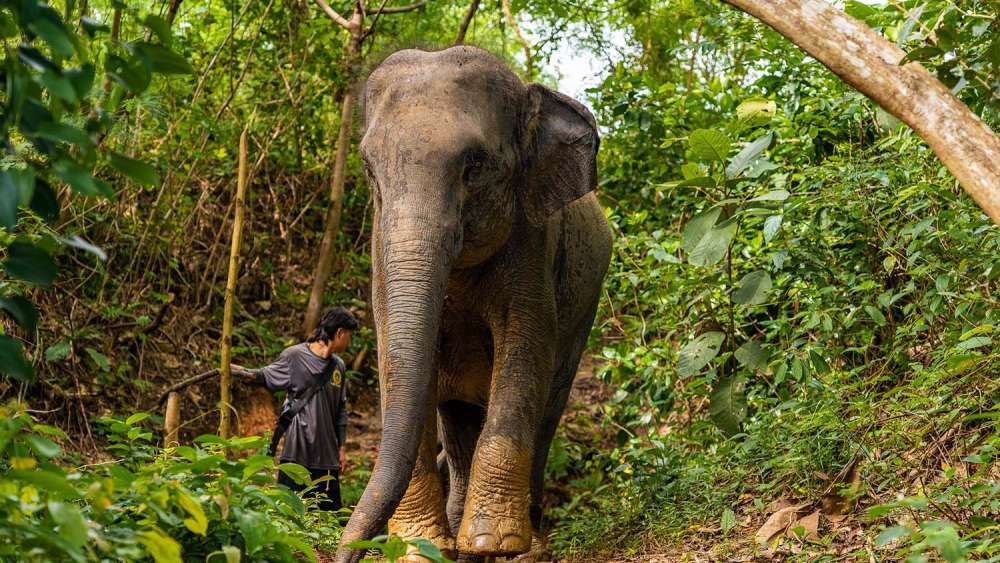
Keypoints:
pixel 484 542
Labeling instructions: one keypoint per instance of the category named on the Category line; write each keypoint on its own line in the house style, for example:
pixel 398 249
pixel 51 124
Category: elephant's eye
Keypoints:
pixel 475 165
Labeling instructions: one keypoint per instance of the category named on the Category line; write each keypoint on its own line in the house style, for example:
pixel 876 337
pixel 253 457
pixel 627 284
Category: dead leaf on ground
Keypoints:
pixel 778 523
pixel 808 523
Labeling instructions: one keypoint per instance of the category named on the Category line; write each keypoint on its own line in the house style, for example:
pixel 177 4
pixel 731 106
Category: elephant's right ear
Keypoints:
pixel 560 144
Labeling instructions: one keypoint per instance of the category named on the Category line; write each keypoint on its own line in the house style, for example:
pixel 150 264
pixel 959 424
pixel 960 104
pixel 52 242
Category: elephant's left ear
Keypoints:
pixel 560 153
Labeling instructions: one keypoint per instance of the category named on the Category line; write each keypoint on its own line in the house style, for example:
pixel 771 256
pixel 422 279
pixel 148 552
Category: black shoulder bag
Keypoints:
pixel 292 408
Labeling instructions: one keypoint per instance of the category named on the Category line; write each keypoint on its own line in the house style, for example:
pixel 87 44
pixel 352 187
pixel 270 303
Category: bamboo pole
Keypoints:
pixel 225 372
pixel 171 421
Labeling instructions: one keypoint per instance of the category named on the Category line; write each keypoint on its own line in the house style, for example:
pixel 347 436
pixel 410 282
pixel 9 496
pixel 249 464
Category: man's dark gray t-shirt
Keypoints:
pixel 316 433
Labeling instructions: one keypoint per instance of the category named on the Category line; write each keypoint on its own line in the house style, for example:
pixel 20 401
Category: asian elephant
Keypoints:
pixel 488 253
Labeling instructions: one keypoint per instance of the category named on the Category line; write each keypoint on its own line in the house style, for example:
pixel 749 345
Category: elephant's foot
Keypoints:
pixel 538 552
pixel 421 516
pixel 496 518
pixel 485 535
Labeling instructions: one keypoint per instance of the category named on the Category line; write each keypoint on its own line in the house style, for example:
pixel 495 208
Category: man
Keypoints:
pixel 317 432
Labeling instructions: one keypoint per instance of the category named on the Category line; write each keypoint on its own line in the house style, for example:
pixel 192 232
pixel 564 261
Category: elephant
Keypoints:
pixel 489 249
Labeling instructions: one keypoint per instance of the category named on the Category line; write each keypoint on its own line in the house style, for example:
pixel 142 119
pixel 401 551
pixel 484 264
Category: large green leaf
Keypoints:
pixel 747 155
pixel 162 547
pixel 754 288
pixel 709 145
pixel 30 263
pixel 72 526
pixel 79 179
pixel 699 352
pixel 21 310
pixel 17 185
pixel 728 405
pixel 137 170
pixel 162 59
pixel 751 355
pixel 12 360
pixel 713 246
pixel 44 202
pixel 698 227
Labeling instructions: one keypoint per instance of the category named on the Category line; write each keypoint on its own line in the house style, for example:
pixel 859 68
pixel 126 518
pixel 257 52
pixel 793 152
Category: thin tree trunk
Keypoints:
pixel 171 420
pixel 469 16
pixel 324 261
pixel 172 12
pixel 520 37
pixel 225 373
pixel 870 63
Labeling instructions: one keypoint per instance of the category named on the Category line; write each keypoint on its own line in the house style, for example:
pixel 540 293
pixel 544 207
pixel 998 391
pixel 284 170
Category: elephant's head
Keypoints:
pixel 459 153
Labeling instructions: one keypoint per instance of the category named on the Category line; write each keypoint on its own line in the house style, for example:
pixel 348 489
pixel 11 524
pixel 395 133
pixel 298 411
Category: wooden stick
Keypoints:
pixel 469 15
pixel 505 4
pixel 171 422
pixel 196 379
pixel 225 373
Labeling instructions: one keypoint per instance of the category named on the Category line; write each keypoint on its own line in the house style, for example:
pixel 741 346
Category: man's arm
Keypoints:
pixel 276 376
pixel 341 426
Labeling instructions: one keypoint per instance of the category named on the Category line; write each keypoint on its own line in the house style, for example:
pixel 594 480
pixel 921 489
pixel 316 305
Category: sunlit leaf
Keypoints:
pixel 727 405
pixel 699 352
pixel 753 289
pixel 709 145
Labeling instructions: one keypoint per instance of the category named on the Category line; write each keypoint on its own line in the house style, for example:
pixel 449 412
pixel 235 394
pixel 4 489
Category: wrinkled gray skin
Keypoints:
pixel 488 253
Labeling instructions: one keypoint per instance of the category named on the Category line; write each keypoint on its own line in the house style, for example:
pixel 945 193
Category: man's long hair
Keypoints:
pixel 333 319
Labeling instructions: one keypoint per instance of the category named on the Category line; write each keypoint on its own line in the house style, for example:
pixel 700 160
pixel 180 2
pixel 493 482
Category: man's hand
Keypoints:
pixel 246 376
pixel 343 460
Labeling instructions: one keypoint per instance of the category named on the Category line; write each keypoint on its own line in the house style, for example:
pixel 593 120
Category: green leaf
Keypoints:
pixel 698 227
pixel 298 473
pixel 137 170
pixel 58 351
pixel 44 202
pixel 713 246
pixel 754 288
pixel 100 359
pixel 727 406
pixel 771 226
pixel 751 356
pixel 16 188
pixel 72 526
pixel 45 448
pixel 162 59
pixel 80 179
pixel 47 480
pixel 253 527
pixel 30 263
pixel 160 27
pixel 136 418
pixel 162 547
pixel 728 520
pixel 974 342
pixel 699 352
pixel 875 314
pixel 747 155
pixel 198 522
pixel 58 85
pixel 62 133
pixel 921 54
pixel 773 195
pixel 12 361
pixel 54 34
pixel 756 111
pixel 21 310
pixel 709 145
pixel 819 363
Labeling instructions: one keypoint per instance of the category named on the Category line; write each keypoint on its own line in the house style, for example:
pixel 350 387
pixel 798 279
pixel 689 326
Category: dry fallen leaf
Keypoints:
pixel 778 523
pixel 808 523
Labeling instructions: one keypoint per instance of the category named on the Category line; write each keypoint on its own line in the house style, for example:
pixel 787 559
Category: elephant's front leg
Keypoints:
pixel 496 516
pixel 421 513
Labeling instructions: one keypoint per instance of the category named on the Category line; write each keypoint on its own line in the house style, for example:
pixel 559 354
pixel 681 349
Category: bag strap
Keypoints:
pixel 293 407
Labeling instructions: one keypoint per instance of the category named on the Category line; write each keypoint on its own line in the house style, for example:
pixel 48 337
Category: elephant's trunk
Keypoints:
pixel 414 265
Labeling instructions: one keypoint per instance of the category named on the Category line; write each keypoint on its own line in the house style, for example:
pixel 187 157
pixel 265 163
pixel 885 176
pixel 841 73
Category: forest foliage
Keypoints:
pixel 802 304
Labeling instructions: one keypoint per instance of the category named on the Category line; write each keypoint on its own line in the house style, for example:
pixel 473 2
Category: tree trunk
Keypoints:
pixel 469 15
pixel 324 261
pixel 870 63
pixel 225 369
pixel 171 420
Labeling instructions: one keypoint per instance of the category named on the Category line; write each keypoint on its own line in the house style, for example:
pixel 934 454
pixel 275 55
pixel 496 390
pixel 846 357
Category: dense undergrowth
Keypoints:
pixel 801 314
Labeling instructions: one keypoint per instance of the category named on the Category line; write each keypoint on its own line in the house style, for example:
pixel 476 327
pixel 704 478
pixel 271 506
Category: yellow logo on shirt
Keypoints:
pixel 336 377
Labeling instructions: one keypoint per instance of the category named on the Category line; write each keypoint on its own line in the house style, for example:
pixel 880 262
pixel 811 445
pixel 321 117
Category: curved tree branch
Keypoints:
pixel 337 18
pixel 869 63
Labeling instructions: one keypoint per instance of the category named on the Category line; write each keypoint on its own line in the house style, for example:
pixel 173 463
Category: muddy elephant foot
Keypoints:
pixel 435 533
pixel 538 552
pixel 481 534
